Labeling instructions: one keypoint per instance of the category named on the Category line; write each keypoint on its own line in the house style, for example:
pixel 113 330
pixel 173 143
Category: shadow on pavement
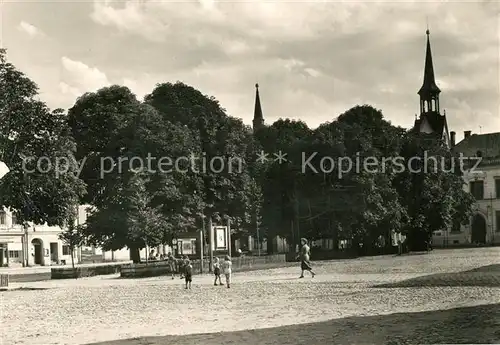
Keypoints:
pixel 487 276
pixel 462 325
pixel 24 289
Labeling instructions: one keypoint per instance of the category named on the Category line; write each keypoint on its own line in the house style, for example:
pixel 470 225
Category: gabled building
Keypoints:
pixel 430 120
pixel 483 182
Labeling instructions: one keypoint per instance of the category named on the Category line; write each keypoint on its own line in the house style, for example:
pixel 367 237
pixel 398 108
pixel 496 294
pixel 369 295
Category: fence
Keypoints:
pixel 155 269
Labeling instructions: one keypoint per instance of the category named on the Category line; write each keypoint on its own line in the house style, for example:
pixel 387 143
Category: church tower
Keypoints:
pixel 258 118
pixel 430 120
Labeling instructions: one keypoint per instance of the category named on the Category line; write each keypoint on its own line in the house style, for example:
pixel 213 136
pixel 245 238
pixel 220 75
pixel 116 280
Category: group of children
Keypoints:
pixel 225 268
pixel 186 269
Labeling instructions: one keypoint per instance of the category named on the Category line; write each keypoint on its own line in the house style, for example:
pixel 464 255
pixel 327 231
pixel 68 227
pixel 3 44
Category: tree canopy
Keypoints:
pixel 42 185
pixel 154 169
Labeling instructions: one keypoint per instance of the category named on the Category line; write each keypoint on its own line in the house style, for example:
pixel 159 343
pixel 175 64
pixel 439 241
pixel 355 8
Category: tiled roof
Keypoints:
pixel 488 144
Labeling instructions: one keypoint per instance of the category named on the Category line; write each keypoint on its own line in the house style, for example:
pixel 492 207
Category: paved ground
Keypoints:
pixel 341 302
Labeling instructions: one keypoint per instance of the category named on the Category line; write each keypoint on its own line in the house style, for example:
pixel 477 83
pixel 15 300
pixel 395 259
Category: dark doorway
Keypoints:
pixel 3 256
pixel 478 229
pixel 38 251
pixel 54 252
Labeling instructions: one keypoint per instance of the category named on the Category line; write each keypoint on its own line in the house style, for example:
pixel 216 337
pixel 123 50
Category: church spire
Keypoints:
pixel 258 118
pixel 429 92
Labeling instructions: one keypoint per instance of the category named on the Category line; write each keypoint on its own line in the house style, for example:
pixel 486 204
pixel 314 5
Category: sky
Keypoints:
pixel 313 60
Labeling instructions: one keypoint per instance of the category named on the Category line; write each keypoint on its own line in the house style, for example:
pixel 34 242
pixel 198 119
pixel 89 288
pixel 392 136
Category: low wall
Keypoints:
pixel 86 270
pixel 154 269
pixel 151 269
pixel 4 281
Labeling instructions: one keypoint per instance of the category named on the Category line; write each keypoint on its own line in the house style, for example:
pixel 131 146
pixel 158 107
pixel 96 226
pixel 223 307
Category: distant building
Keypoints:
pixel 483 183
pixel 39 245
pixel 31 246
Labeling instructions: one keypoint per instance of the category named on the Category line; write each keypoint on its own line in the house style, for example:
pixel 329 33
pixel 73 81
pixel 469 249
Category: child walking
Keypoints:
pixel 227 268
pixel 184 261
pixel 188 273
pixel 217 271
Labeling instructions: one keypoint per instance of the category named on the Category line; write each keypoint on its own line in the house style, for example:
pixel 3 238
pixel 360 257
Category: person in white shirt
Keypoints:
pixel 227 269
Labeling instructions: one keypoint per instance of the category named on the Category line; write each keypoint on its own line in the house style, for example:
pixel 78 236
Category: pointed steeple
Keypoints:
pixel 429 92
pixel 429 85
pixel 258 118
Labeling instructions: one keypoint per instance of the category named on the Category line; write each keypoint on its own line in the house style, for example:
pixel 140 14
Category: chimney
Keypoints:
pixel 466 134
pixel 452 138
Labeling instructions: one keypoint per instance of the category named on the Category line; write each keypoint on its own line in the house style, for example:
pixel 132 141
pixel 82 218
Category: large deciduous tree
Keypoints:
pixel 224 152
pixel 35 143
pixel 431 188
pixel 117 137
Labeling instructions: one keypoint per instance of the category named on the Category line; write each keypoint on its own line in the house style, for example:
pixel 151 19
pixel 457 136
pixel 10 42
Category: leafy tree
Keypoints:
pixel 145 223
pixel 431 190
pixel 42 185
pixel 219 136
pixel 118 136
pixel 356 201
pixel 72 236
pixel 282 183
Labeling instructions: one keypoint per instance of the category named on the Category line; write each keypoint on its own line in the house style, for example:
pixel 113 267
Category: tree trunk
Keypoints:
pixel 73 262
pixel 135 255
pixel 270 244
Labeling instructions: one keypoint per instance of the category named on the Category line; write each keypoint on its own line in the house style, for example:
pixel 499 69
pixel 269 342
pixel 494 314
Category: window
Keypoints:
pixel 2 217
pixel 497 214
pixel 187 247
pixel 477 189
pixel 14 254
pixel 14 219
pixel 497 188
pixel 65 250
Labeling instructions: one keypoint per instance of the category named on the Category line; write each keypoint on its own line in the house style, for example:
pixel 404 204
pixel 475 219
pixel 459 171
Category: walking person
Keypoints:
pixel 305 264
pixel 171 263
pixel 227 270
pixel 399 240
pixel 217 272
pixel 188 273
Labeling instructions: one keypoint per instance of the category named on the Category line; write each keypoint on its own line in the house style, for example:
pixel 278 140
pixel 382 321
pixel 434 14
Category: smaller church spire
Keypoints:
pixel 258 117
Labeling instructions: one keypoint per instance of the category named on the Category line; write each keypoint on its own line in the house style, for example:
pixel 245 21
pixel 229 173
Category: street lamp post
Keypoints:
pixel 492 219
pixel 202 242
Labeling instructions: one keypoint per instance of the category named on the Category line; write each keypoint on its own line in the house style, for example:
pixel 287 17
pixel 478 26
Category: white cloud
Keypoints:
pixel 312 59
pixel 29 29
pixel 69 90
pixel 81 78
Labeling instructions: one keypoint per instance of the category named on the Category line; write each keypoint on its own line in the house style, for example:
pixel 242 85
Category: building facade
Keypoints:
pixel 483 182
pixel 31 246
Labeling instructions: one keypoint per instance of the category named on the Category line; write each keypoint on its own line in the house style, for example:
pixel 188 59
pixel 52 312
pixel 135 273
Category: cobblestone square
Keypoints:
pixel 349 301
